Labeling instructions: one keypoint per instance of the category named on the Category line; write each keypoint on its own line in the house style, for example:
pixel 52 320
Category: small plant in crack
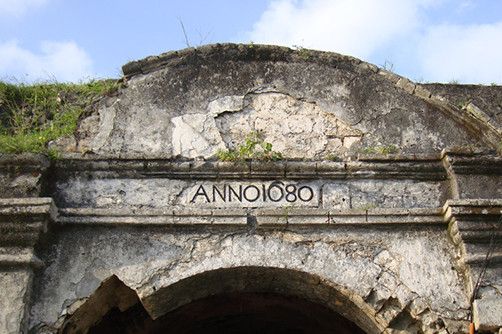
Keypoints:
pixel 388 66
pixel 302 52
pixel 254 147
pixel 381 149
pixel 463 104
pixel 333 157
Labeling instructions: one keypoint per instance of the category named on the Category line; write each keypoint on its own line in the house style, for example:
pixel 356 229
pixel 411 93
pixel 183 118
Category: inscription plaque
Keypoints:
pixel 254 194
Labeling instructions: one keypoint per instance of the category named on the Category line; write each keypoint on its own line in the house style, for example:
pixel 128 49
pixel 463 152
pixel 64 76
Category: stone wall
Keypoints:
pixel 191 103
pixel 380 203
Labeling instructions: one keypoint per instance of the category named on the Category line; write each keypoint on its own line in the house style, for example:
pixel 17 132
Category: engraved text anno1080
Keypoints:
pixel 276 191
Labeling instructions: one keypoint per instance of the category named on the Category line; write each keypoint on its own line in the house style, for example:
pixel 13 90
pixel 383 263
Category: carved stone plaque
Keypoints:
pixel 253 194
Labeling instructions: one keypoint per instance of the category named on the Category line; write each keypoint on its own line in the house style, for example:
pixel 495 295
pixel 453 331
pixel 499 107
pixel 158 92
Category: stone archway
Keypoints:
pixel 232 313
pixel 374 202
pixel 230 300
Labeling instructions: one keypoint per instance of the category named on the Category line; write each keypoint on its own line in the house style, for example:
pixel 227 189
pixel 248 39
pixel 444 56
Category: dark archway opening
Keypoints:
pixel 231 313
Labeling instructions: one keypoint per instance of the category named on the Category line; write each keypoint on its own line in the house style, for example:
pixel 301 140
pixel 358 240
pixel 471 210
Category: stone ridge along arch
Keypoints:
pixel 265 178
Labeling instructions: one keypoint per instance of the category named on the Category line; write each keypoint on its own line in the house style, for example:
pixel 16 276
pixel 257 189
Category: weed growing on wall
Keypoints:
pixel 302 52
pixel 386 149
pixel 333 157
pixel 254 147
pixel 33 115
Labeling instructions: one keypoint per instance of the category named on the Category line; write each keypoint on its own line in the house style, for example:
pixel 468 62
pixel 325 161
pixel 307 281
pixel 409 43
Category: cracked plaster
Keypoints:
pixel 335 108
pixel 376 267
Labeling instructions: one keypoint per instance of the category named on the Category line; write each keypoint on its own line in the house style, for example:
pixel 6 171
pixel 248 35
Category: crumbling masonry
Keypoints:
pixel 381 215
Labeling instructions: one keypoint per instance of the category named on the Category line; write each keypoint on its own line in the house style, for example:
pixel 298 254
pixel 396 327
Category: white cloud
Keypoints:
pixel 64 61
pixel 355 27
pixel 465 5
pixel 393 30
pixel 469 54
pixel 18 7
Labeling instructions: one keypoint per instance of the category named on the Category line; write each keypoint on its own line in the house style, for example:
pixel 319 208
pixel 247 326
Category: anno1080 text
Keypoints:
pixel 276 191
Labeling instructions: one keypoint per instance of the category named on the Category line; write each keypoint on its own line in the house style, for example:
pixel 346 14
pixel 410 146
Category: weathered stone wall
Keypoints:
pixel 388 272
pixel 373 228
pixel 191 103
pixel 382 208
pixel 485 99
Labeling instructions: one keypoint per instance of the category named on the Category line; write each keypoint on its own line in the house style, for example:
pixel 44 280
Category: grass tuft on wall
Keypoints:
pixel 33 115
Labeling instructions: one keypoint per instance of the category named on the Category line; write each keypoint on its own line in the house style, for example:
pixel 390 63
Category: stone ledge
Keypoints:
pixel 282 217
pixel 18 257
pixel 264 217
pixel 398 167
pixel 479 259
pixel 30 205
pixel 473 222
pixel 414 166
pixel 471 207
pixel 90 216
pixel 485 164
pixel 23 220
pixel 24 162
pixel 399 157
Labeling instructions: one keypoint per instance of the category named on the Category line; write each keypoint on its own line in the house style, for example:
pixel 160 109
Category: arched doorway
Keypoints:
pixel 231 313
pixel 230 300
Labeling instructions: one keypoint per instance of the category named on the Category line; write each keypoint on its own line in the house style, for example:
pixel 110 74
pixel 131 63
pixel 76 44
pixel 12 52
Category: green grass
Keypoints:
pixel 383 150
pixel 304 54
pixel 333 157
pixel 33 115
pixel 254 147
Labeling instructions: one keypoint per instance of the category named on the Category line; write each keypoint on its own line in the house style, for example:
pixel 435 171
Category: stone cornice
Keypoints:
pixel 473 224
pixel 475 163
pixel 22 221
pixel 425 167
pixel 280 217
pixel 25 162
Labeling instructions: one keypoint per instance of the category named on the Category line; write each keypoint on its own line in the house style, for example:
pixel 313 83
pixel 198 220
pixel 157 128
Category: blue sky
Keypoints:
pixel 425 40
